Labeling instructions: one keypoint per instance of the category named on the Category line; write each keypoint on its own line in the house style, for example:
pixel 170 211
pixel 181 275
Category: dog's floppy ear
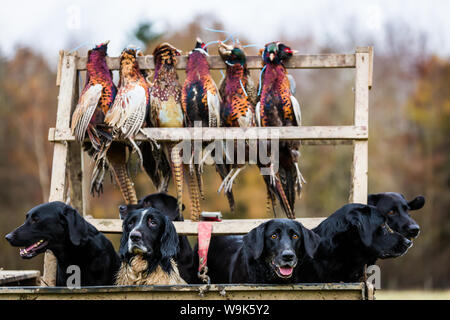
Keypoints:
pixel 417 203
pixel 165 203
pixel 254 241
pixel 125 209
pixel 381 201
pixel 311 240
pixel 360 218
pixel 123 249
pixel 373 198
pixel 76 225
pixel 169 241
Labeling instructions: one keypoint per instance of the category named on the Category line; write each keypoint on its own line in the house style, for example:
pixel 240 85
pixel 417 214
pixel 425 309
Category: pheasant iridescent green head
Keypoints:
pixel 276 52
pixel 232 54
pixel 166 54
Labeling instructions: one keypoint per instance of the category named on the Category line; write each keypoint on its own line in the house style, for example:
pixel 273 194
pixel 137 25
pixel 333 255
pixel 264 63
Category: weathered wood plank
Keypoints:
pixel 8 276
pixel 370 67
pixel 282 133
pixel 358 191
pixel 313 291
pixel 361 111
pixel 358 188
pixel 76 176
pixel 253 62
pixel 75 163
pixel 188 227
pixel 58 183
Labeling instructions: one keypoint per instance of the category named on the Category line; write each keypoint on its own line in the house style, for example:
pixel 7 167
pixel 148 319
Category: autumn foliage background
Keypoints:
pixel 408 146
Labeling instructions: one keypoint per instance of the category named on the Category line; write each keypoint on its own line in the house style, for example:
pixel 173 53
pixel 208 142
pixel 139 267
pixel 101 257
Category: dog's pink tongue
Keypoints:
pixel 285 271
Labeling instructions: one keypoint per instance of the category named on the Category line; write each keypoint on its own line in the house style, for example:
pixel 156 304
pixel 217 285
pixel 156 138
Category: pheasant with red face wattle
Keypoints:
pixel 237 92
pixel 200 97
pixel 96 97
pixel 126 117
pixel 200 101
pixel 278 107
pixel 166 111
pixel 95 100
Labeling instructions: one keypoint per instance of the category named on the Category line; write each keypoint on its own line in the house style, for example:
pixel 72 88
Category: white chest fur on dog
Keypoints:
pixel 134 273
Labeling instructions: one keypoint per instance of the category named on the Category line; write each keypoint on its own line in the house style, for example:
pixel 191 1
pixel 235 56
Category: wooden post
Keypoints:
pixel 75 164
pixel 358 190
pixel 59 168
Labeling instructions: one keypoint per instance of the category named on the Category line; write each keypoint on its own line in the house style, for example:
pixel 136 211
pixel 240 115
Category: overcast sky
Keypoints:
pixel 52 25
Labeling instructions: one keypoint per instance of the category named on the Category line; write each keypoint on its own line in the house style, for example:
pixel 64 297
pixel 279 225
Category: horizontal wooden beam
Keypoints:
pixel 305 291
pixel 312 61
pixel 188 227
pixel 209 134
pixel 8 276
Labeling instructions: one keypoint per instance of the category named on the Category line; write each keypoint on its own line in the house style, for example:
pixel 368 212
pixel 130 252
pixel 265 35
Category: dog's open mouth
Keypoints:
pixel 33 250
pixel 283 271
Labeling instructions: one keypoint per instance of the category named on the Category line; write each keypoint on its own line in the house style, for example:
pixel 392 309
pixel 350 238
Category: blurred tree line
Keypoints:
pixel 408 146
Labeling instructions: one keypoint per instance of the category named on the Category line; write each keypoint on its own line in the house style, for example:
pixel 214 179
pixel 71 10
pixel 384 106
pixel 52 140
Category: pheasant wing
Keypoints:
pixel 213 108
pixel 128 111
pixel 85 110
pixel 297 110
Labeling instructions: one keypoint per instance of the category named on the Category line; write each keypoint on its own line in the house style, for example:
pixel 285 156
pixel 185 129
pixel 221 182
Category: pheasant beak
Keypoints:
pixel 294 51
pixel 224 50
pixel 271 56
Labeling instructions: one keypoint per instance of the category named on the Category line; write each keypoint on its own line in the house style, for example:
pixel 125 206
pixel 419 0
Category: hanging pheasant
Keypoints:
pixel 200 100
pixel 95 100
pixel 126 117
pixel 200 97
pixel 237 110
pixel 166 111
pixel 278 107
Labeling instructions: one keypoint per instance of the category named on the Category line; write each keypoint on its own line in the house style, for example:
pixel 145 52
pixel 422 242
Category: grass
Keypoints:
pixel 412 295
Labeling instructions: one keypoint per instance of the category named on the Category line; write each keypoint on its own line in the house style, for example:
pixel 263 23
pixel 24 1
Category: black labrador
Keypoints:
pixel 168 205
pixel 272 253
pixel 396 208
pixel 148 237
pixel 60 228
pixel 354 236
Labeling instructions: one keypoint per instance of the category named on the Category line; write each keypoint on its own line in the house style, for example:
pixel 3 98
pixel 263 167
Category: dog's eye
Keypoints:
pixel 151 223
pixel 274 236
pixel 34 219
pixel 392 212
pixel 295 236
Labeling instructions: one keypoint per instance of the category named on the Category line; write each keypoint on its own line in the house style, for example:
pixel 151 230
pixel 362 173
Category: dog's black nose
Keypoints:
pixel 9 237
pixel 413 231
pixel 135 236
pixel 287 255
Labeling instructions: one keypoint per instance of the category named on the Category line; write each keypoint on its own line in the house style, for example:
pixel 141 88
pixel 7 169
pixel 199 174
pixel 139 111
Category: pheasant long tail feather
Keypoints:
pixel 116 157
pixel 194 194
pixel 274 186
pixel 283 200
pixel 199 181
pixel 177 172
pixel 270 203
